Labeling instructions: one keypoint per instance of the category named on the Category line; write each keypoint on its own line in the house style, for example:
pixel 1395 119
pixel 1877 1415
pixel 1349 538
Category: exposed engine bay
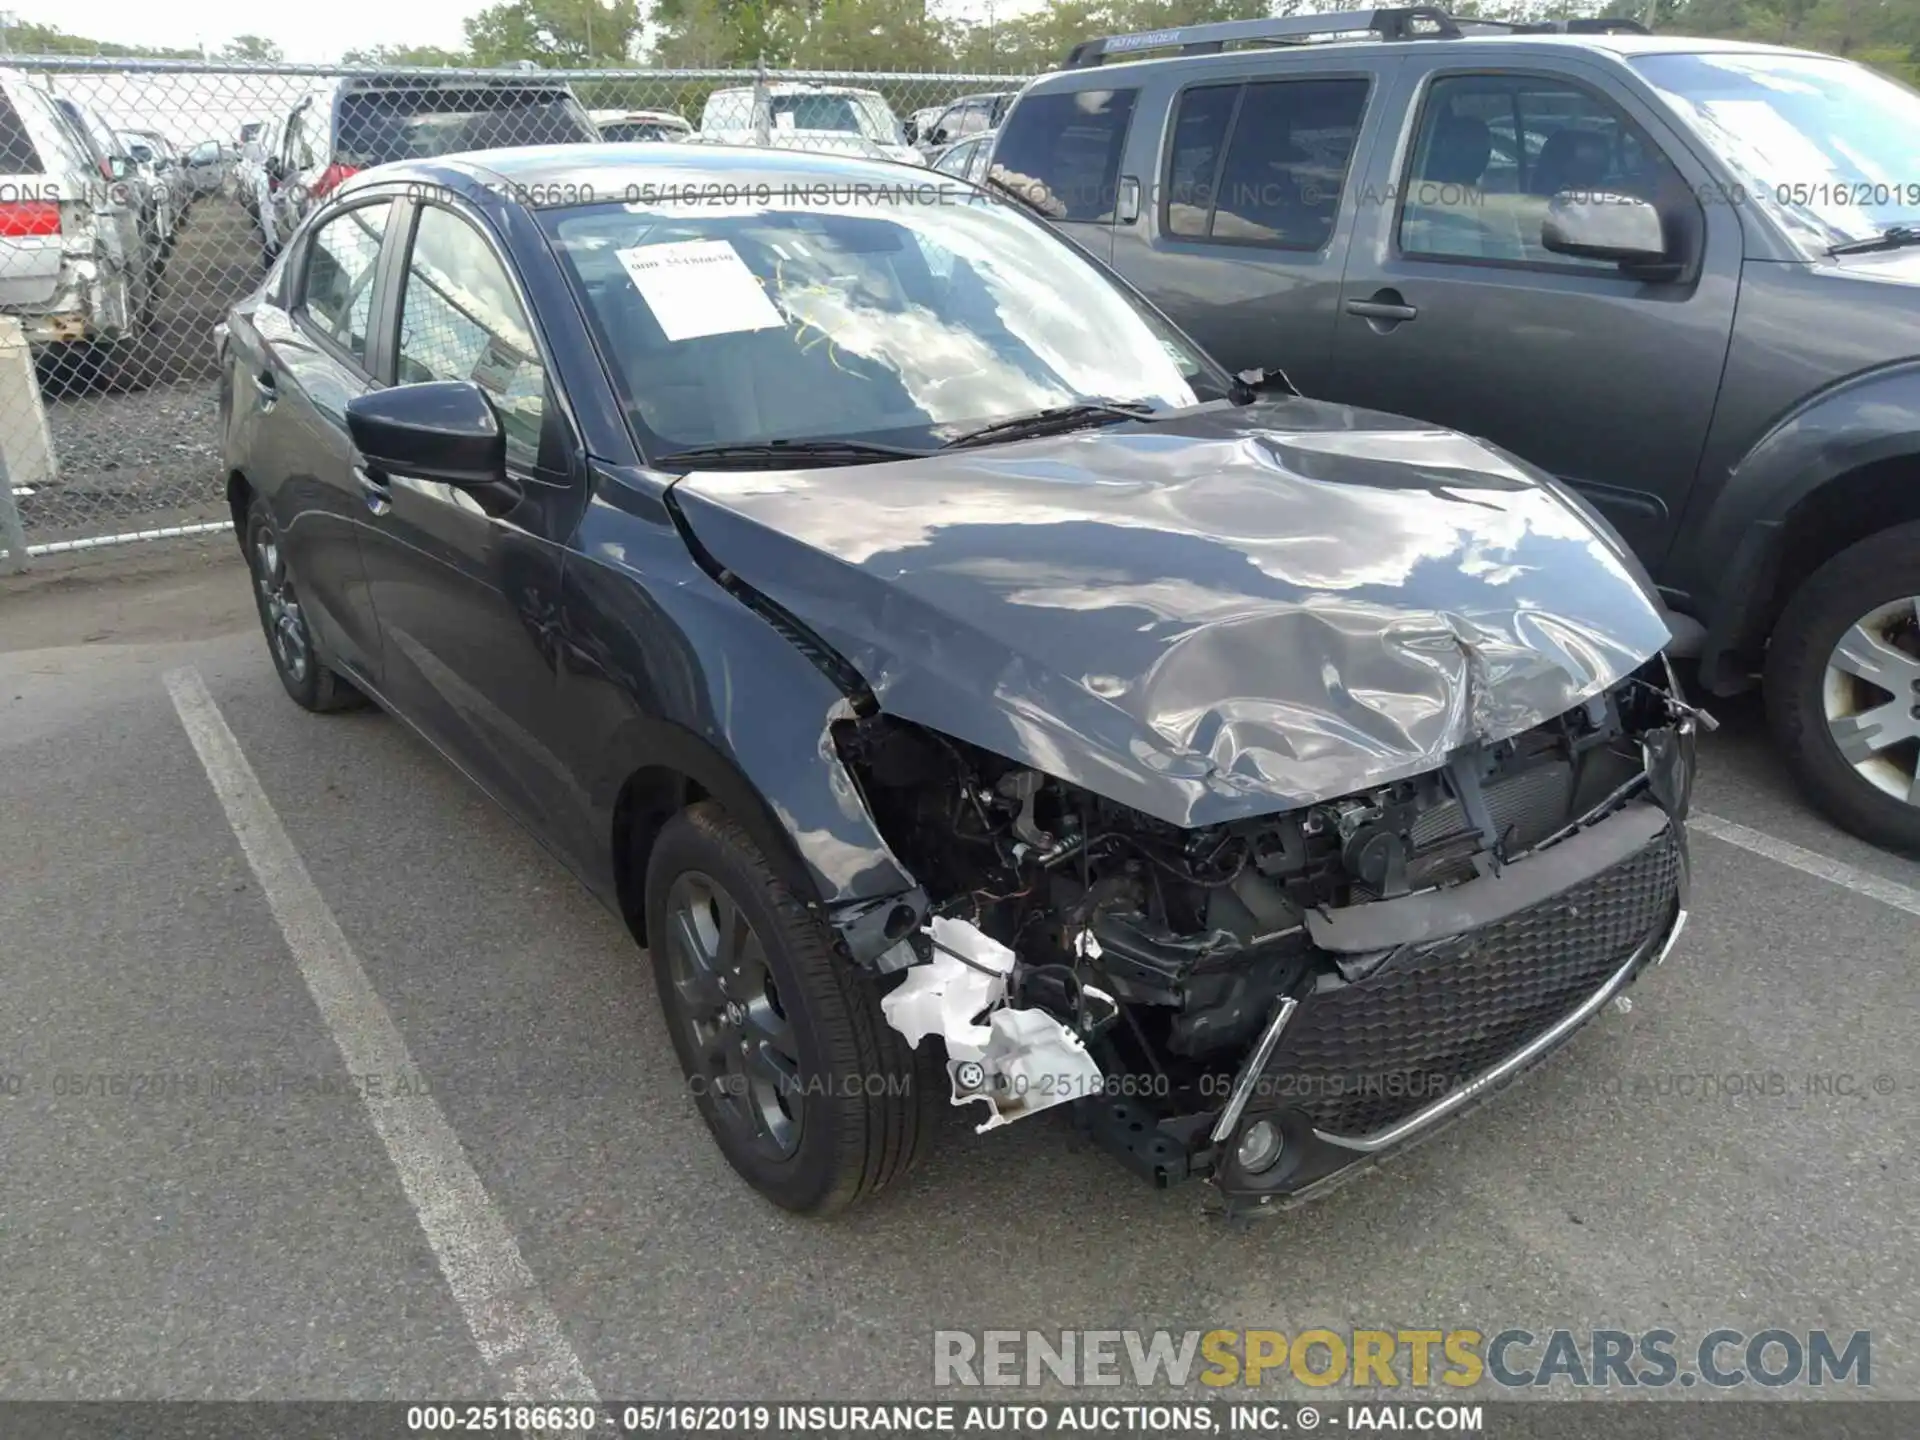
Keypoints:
pixel 1079 950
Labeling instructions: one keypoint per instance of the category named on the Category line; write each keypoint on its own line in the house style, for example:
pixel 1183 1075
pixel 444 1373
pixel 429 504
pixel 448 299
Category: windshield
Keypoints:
pixel 378 127
pixel 1825 145
pixel 839 113
pixel 902 321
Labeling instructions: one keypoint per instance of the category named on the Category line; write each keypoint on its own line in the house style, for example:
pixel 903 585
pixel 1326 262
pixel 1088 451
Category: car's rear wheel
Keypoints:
pixel 75 368
pixel 1843 687
pixel 309 680
pixel 814 1100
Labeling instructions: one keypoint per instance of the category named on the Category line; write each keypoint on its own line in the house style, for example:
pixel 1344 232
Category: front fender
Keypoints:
pixel 666 668
pixel 1738 545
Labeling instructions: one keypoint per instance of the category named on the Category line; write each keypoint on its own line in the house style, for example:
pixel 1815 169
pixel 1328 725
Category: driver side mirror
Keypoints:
pixel 443 430
pixel 1597 225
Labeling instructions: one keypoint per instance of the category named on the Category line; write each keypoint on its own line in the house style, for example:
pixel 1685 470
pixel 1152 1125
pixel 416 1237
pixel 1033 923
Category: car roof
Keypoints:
pixel 1622 47
pixel 647 115
pixel 567 172
pixel 797 87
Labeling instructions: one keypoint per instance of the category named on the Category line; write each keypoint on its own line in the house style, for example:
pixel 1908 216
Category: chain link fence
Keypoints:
pixel 140 200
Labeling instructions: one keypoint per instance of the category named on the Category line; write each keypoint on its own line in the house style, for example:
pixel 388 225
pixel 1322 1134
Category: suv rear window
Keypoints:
pixel 1062 151
pixel 376 127
pixel 17 155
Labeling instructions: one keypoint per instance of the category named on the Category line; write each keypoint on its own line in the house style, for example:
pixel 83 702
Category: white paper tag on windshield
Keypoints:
pixel 783 120
pixel 699 287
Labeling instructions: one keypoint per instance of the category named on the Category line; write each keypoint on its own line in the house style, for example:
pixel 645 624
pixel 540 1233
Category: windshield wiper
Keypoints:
pixel 1895 237
pixel 1052 420
pixel 780 454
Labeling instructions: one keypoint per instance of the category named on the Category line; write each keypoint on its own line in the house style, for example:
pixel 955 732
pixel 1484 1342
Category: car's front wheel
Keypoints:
pixel 811 1096
pixel 1843 687
pixel 309 680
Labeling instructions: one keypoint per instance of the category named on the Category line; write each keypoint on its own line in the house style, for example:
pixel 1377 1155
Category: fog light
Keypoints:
pixel 1259 1148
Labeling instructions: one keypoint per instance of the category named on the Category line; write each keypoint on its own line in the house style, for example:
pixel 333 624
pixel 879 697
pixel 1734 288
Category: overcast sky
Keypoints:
pixel 309 30
pixel 316 30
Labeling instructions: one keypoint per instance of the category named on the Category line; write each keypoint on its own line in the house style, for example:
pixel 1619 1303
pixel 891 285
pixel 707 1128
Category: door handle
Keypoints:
pixel 1386 305
pixel 374 490
pixel 267 390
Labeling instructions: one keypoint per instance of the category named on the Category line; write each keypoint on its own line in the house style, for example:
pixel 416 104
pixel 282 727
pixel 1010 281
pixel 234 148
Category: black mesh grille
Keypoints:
pixel 1364 1057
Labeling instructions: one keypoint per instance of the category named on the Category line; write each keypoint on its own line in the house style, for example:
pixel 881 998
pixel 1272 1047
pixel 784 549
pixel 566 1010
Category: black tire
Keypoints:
pixel 74 368
pixel 309 680
pixel 862 1111
pixel 1876 572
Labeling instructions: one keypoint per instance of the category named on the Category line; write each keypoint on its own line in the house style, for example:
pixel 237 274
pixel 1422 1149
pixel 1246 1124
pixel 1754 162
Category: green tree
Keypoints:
pixel 558 33
pixel 725 33
pixel 406 55
pixel 874 35
pixel 31 39
pixel 254 49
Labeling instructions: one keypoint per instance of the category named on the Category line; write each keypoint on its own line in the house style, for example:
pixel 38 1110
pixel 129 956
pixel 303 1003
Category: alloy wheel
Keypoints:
pixel 1871 697
pixel 280 607
pixel 730 1004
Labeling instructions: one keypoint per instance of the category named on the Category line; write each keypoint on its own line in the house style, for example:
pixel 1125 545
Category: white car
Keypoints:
pixel 624 126
pixel 253 183
pixel 75 268
pixel 159 162
pixel 795 115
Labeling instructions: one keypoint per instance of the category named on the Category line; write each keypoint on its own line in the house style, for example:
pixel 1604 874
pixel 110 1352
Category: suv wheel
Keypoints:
pixel 308 679
pixel 812 1097
pixel 1843 687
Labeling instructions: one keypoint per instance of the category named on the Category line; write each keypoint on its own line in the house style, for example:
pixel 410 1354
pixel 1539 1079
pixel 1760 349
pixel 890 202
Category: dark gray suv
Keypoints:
pixel 1681 274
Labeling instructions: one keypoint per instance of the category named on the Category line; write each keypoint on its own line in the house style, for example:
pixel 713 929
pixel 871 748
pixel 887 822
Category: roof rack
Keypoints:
pixel 1410 22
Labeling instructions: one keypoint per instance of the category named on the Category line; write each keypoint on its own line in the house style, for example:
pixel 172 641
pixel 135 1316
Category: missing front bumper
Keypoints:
pixel 1344 1074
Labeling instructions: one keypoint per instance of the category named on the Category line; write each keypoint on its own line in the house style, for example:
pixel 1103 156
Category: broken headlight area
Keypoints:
pixel 1268 1001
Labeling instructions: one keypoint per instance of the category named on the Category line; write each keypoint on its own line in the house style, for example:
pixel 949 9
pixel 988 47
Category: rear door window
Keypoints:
pixel 377 127
pixel 17 153
pixel 959 160
pixel 1061 151
pixel 1263 163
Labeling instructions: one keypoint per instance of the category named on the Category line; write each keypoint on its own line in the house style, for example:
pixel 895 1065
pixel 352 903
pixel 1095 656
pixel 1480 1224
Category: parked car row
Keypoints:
pixel 289 164
pixel 89 216
pixel 84 227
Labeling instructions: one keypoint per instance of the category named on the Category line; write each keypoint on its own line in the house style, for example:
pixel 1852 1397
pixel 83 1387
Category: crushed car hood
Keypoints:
pixel 1229 613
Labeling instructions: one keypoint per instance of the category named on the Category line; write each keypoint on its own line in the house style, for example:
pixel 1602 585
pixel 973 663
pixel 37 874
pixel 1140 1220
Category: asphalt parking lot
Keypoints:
pixel 273 1234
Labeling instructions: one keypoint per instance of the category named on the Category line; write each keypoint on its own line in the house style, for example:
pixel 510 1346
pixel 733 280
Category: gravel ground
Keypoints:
pixel 123 456
pixel 144 448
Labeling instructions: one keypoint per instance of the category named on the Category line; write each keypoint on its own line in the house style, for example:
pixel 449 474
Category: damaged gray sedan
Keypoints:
pixel 968 693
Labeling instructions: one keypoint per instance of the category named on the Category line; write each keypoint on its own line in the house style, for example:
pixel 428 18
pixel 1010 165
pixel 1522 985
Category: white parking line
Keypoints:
pixel 1808 862
pixel 517 1332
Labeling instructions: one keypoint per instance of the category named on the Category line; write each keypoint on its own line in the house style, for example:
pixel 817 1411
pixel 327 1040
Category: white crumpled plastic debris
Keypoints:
pixel 1018 1062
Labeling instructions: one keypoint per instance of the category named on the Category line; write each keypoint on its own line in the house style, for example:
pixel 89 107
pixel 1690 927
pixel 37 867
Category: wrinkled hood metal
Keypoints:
pixel 1231 613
